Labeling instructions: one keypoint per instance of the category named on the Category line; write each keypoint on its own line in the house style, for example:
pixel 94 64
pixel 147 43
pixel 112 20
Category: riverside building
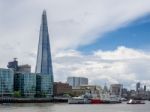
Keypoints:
pixel 61 88
pixel 25 83
pixel 116 89
pixel 6 82
pixel 19 68
pixel 44 62
pixel 32 85
pixel 77 81
pixel 44 86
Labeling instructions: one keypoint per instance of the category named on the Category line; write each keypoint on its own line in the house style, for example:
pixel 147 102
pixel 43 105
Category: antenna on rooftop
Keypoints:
pixel 15 59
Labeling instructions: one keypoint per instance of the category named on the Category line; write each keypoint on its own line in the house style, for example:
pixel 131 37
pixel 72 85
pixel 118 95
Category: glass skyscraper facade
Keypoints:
pixel 33 85
pixel 44 85
pixel 6 82
pixel 77 81
pixel 44 62
pixel 25 83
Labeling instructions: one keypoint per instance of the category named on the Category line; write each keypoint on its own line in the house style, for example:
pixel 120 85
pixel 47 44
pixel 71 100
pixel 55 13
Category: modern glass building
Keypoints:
pixel 6 82
pixel 116 89
pixel 77 81
pixel 44 86
pixel 25 83
pixel 33 85
pixel 44 62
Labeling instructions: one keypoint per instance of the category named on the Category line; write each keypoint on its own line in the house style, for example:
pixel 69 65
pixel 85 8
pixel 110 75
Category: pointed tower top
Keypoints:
pixel 44 18
pixel 44 12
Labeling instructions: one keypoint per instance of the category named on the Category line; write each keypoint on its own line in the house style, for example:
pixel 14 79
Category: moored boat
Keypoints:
pixel 131 101
pixel 110 99
pixel 96 101
pixel 79 100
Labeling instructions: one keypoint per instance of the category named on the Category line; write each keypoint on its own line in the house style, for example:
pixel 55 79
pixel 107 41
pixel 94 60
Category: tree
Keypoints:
pixel 17 94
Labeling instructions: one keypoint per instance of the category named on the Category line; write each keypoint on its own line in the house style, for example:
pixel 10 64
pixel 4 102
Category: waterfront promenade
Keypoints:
pixel 32 100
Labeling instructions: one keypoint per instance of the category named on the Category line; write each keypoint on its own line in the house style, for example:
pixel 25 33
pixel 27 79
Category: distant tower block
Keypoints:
pixel 138 86
pixel 13 64
pixel 144 87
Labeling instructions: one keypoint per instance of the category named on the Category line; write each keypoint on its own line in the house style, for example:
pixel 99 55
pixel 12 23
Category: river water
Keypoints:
pixel 48 107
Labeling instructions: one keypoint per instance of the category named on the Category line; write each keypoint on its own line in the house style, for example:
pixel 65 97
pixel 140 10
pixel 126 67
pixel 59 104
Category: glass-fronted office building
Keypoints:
pixel 25 83
pixel 33 85
pixel 77 81
pixel 44 85
pixel 47 85
pixel 6 82
pixel 44 62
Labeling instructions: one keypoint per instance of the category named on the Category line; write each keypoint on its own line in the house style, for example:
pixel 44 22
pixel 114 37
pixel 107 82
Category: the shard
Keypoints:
pixel 44 62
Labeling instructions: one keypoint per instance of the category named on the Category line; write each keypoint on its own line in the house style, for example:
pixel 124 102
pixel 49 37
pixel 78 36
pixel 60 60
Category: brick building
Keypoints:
pixel 61 88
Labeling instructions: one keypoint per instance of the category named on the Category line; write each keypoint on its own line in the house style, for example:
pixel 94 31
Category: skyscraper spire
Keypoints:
pixel 44 62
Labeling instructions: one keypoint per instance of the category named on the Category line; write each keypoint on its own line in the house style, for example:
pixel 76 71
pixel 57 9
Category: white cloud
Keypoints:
pixel 71 22
pixel 122 53
pixel 107 66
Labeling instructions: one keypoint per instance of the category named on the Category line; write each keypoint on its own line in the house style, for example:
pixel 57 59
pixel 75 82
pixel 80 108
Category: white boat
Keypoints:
pixel 131 101
pixel 107 98
pixel 124 99
pixel 78 100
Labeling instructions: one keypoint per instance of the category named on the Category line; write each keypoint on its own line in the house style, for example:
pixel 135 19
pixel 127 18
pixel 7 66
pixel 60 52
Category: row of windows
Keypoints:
pixel 6 81
pixel 26 83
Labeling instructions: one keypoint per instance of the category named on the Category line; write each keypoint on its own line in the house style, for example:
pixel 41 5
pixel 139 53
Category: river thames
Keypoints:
pixel 48 107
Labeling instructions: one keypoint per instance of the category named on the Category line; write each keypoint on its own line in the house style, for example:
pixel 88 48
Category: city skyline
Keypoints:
pixel 98 40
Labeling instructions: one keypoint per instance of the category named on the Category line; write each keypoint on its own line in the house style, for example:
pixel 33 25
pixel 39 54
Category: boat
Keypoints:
pixel 79 100
pixel 110 99
pixel 76 100
pixel 96 101
pixel 95 98
pixel 132 101
pixel 124 99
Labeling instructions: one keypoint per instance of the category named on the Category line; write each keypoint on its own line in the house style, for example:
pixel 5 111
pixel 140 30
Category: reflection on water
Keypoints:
pixel 49 107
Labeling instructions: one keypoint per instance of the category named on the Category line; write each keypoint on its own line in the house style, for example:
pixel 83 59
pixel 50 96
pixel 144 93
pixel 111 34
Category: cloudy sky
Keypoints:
pixel 107 41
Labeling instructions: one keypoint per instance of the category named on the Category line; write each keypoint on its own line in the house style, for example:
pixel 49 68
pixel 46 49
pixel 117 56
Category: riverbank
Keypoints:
pixel 32 100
